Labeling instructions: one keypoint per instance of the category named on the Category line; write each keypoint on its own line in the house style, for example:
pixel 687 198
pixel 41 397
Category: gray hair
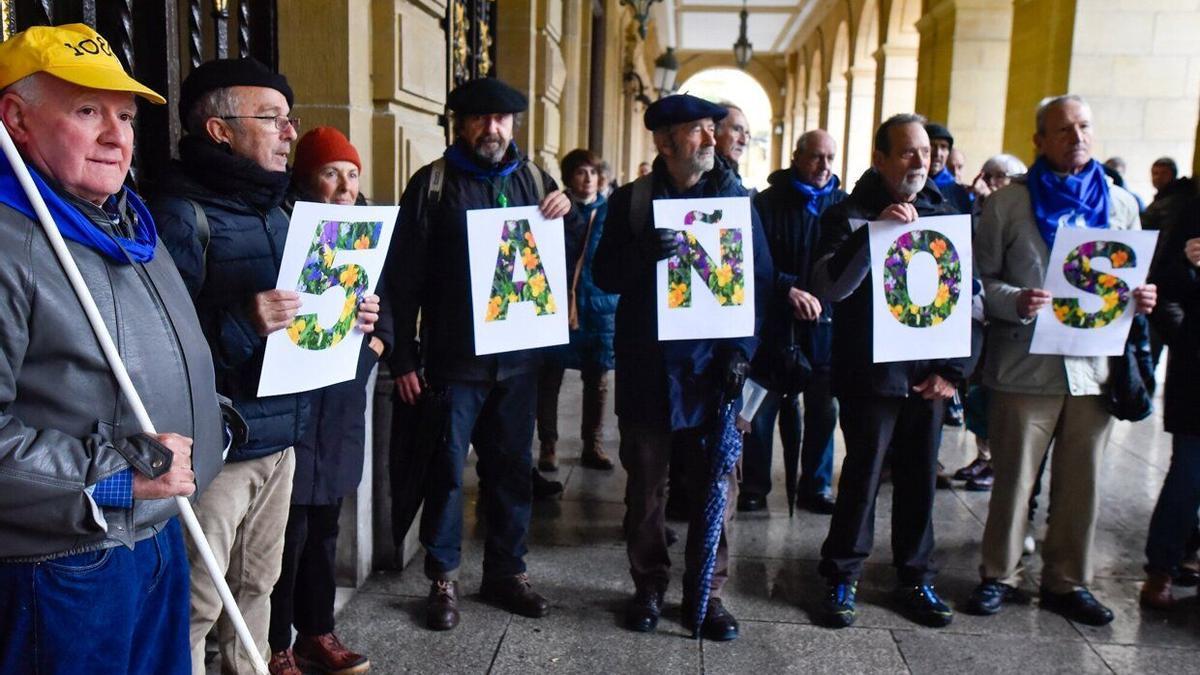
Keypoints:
pixel 221 102
pixel 1004 163
pixel 1049 102
pixel 29 88
pixel 883 138
pixel 802 142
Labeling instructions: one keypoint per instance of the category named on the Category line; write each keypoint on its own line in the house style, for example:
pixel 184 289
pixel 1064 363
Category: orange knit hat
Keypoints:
pixel 321 146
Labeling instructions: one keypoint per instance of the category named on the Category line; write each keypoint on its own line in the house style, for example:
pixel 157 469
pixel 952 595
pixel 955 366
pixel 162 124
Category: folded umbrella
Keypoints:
pixel 723 449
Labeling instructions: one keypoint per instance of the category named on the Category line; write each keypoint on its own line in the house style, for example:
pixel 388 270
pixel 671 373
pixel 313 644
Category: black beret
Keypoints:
pixel 486 96
pixel 221 73
pixel 679 108
pixel 936 130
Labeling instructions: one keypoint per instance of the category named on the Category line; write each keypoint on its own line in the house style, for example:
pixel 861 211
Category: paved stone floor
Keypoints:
pixel 577 559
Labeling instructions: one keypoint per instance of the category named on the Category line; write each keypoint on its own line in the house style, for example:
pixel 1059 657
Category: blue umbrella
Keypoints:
pixel 723 448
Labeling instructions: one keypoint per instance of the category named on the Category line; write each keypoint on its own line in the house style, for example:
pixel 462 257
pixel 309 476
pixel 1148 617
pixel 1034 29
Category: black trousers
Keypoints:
pixel 304 594
pixel 912 427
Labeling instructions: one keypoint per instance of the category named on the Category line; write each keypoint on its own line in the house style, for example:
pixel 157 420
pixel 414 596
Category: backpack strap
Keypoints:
pixel 639 204
pixel 535 175
pixel 203 233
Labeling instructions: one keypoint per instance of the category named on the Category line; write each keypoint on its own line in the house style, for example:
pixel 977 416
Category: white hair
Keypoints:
pixel 1004 163
pixel 220 102
pixel 1049 102
pixel 29 88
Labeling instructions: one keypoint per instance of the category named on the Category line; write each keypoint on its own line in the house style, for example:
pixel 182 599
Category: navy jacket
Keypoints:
pixel 243 257
pixel 792 232
pixel 672 384
pixel 854 371
pixel 592 343
pixel 427 274
pixel 1177 318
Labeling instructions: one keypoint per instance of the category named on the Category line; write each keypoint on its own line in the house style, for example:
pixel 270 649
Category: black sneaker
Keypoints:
pixel 989 596
pixel 544 488
pixel 1078 605
pixel 922 605
pixel 838 609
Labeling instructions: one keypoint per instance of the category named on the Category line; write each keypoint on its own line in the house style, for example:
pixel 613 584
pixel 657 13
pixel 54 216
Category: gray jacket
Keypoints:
pixel 1010 255
pixel 63 423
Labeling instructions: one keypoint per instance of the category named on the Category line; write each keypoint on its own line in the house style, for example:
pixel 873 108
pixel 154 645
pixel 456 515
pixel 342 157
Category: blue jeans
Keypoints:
pixel 816 450
pixel 110 611
pixel 1174 517
pixel 497 417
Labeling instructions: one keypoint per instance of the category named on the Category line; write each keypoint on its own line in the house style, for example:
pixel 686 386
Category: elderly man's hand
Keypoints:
pixel 1192 250
pixel 555 205
pixel 804 305
pixel 368 313
pixel 409 387
pixel 935 388
pixel 903 212
pixel 1145 297
pixel 1031 301
pixel 274 309
pixel 178 481
pixel 980 185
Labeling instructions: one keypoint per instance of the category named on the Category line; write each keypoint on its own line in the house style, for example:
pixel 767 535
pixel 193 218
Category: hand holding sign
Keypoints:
pixel 1096 277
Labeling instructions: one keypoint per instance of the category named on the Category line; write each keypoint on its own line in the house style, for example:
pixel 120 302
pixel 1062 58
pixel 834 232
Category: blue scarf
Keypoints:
pixel 815 194
pixel 467 164
pixel 77 227
pixel 1079 200
pixel 943 178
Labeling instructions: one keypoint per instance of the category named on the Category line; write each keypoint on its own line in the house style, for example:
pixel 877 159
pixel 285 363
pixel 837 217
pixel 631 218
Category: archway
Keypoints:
pixel 835 92
pixel 733 85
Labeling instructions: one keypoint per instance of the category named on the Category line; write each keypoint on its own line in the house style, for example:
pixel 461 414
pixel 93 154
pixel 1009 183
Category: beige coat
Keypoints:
pixel 1010 255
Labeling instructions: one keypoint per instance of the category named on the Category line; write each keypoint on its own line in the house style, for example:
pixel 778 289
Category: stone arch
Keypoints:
pixel 834 96
pixel 860 94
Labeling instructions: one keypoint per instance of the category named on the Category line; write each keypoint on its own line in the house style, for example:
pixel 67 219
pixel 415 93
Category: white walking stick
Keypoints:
pixel 135 401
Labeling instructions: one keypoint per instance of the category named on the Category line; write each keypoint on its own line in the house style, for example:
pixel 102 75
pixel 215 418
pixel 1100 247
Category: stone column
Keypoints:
pixel 833 115
pixel 895 83
pixel 963 72
pixel 860 130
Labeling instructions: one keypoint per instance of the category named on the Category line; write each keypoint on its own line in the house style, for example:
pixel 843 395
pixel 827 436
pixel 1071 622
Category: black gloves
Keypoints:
pixel 664 242
pixel 734 375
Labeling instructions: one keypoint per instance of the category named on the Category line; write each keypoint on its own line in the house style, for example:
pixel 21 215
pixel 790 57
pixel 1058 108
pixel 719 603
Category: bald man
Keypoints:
pixel 791 210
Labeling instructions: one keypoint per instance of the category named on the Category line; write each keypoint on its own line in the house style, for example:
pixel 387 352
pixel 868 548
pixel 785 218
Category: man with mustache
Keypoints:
pixel 219 213
pixel 489 401
pixel 899 404
pixel 667 393
pixel 1039 399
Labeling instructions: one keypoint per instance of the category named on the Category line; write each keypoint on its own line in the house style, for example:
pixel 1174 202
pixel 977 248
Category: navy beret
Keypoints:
pixel 221 73
pixel 485 96
pixel 936 130
pixel 680 108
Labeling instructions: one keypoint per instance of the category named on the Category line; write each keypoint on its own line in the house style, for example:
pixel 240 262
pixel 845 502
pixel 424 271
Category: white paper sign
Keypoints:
pixel 518 279
pixel 921 288
pixel 1092 274
pixel 706 291
pixel 333 257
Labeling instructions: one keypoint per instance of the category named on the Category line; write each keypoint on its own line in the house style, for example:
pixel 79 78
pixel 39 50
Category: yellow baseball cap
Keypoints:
pixel 72 52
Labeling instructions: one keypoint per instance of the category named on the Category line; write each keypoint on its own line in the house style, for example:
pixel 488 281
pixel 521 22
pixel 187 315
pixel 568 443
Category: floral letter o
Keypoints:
pixel 895 278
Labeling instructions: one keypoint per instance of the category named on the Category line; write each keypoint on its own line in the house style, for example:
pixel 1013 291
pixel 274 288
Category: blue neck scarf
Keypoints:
pixel 815 194
pixel 77 227
pixel 1079 200
pixel 943 178
pixel 467 164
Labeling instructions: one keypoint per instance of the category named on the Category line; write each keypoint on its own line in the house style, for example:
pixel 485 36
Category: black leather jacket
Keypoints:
pixel 64 424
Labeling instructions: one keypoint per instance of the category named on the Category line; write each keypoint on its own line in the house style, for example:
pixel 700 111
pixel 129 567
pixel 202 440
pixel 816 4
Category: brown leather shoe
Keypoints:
pixel 596 459
pixel 326 653
pixel 441 609
pixel 516 595
pixel 547 458
pixel 284 663
pixel 1156 592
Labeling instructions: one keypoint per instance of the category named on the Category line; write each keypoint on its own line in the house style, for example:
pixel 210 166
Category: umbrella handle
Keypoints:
pixel 127 389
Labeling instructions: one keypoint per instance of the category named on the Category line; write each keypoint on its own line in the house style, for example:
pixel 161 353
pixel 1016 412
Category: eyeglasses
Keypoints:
pixel 280 122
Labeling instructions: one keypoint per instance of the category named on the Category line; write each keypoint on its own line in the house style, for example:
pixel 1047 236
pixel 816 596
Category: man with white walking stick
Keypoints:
pixel 93 573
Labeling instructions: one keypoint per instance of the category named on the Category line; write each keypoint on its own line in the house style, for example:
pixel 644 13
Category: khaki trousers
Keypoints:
pixel 1021 428
pixel 244 514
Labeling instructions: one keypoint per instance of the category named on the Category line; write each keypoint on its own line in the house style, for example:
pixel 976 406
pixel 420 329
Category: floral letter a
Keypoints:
pixel 517 240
